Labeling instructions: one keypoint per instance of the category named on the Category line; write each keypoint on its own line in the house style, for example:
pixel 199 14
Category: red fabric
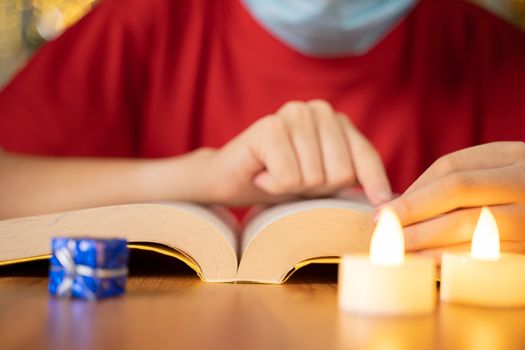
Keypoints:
pixel 155 78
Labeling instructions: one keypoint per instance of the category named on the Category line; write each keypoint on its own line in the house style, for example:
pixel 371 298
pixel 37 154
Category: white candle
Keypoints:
pixel 387 282
pixel 485 277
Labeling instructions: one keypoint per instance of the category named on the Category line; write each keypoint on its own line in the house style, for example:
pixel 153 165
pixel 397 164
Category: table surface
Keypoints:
pixel 167 306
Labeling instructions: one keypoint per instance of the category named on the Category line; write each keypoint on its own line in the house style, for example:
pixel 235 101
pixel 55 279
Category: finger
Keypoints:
pixel 336 158
pixel 460 190
pixel 452 228
pixel 270 143
pixel 436 254
pixel 367 164
pixel 302 130
pixel 491 155
pixel 458 227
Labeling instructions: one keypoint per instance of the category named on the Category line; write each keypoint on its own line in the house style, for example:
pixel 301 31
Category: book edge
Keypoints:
pixel 144 246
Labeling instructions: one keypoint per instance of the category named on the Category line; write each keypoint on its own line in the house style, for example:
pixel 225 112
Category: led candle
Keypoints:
pixel 485 277
pixel 387 282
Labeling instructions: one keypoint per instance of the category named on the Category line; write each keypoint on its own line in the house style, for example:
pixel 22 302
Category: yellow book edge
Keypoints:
pixel 157 248
pixel 319 260
pixel 177 254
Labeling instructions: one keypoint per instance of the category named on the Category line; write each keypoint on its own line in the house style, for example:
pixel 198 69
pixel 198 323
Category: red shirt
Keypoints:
pixel 155 78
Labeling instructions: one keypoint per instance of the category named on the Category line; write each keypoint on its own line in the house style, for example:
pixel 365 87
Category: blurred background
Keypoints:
pixel 26 24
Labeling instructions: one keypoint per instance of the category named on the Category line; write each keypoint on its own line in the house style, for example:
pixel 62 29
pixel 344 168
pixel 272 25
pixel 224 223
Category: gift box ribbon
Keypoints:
pixel 65 256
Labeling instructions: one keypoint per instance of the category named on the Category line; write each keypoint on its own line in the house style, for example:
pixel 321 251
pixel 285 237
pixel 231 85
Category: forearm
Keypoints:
pixel 31 185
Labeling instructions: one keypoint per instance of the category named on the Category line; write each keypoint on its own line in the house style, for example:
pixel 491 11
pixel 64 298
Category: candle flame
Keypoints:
pixel 387 246
pixel 485 240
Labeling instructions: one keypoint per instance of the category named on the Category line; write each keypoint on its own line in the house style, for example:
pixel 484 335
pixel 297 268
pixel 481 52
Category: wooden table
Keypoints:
pixel 166 306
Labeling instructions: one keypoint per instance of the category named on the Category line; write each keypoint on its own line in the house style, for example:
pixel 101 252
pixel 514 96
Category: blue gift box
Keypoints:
pixel 88 268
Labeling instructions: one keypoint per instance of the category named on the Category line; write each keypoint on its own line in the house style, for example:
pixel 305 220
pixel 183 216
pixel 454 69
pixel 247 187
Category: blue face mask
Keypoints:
pixel 329 27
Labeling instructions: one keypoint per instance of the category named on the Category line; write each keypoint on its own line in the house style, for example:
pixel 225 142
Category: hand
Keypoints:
pixel 305 149
pixel 441 208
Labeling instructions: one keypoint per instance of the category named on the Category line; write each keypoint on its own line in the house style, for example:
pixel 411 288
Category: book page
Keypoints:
pixel 218 216
pixel 196 232
pixel 268 216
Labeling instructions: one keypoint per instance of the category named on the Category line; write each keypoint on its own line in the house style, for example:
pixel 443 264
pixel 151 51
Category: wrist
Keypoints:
pixel 180 178
pixel 199 178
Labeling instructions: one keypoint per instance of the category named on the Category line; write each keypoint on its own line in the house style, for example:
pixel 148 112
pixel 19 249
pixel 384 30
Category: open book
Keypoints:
pixel 266 249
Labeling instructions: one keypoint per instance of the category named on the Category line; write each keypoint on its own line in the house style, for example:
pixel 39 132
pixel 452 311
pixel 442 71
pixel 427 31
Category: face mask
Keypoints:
pixel 329 27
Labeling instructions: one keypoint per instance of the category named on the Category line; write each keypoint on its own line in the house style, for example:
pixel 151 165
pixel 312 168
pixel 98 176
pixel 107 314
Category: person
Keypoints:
pixel 441 208
pixel 238 102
